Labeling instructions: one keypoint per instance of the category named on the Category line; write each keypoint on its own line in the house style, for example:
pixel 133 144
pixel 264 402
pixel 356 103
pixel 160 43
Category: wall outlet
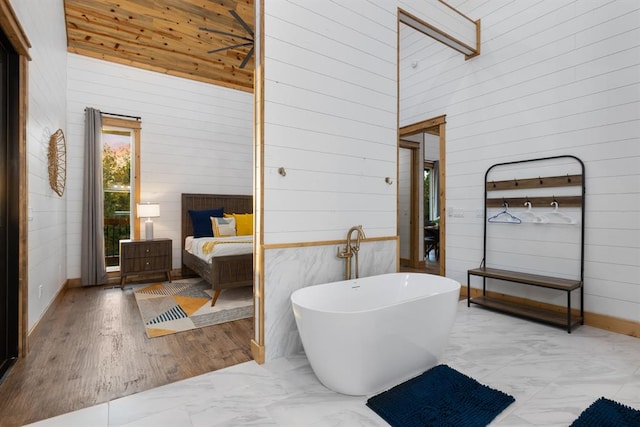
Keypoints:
pixel 455 212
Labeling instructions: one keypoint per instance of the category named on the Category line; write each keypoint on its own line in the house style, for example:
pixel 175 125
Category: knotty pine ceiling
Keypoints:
pixel 164 36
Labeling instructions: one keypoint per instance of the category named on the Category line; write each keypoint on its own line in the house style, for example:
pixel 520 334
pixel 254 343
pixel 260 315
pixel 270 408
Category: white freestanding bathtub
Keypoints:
pixel 366 335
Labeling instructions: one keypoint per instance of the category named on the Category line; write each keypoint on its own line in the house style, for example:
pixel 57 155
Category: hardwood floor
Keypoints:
pixel 432 266
pixel 91 348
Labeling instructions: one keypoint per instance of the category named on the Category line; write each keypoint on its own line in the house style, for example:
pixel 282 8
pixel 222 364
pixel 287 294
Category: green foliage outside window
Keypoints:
pixel 116 181
pixel 116 173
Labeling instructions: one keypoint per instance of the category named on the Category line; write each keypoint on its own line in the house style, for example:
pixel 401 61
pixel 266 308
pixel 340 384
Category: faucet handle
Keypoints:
pixel 344 254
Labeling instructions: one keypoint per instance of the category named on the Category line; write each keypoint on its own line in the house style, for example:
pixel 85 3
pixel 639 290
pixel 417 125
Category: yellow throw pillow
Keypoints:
pixel 244 224
pixel 223 227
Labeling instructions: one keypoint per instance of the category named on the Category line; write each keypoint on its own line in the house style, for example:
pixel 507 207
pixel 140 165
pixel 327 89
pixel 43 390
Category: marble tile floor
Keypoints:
pixel 553 376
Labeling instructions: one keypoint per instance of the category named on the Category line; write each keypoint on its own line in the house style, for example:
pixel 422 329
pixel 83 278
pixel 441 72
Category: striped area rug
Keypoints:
pixel 167 308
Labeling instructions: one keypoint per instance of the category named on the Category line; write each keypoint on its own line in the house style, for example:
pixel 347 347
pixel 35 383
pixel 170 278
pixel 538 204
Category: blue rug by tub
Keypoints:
pixel 442 397
pixel 608 413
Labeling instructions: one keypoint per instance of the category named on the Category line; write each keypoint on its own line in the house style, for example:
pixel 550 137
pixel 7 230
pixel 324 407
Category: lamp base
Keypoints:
pixel 148 229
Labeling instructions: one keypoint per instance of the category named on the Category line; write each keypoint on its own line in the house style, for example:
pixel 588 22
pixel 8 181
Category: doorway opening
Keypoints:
pixel 421 226
pixel 9 205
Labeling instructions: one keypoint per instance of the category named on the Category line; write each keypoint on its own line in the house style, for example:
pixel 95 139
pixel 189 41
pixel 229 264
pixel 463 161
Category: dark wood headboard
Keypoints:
pixel 230 203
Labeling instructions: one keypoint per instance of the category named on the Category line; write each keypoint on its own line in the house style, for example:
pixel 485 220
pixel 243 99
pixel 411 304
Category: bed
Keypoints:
pixel 223 272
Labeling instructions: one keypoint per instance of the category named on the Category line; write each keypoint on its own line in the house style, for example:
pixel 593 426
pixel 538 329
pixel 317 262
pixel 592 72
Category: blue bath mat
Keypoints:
pixel 441 396
pixel 607 413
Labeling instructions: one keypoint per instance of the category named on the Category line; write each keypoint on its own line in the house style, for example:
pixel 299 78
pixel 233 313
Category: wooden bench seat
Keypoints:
pixel 566 319
pixel 528 278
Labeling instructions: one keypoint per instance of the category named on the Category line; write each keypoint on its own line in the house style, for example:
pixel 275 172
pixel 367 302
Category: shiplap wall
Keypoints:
pixel 554 77
pixel 330 115
pixel 43 23
pixel 195 138
pixel 330 120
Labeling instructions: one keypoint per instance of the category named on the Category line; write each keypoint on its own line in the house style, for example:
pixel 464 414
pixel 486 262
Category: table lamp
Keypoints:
pixel 148 210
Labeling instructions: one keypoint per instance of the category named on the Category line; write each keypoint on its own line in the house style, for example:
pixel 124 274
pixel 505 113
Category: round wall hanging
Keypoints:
pixel 57 162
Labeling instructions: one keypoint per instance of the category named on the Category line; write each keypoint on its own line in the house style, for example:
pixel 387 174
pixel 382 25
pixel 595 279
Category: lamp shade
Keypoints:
pixel 148 210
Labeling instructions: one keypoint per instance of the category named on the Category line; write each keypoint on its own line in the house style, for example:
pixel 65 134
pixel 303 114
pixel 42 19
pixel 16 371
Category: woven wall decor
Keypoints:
pixel 57 162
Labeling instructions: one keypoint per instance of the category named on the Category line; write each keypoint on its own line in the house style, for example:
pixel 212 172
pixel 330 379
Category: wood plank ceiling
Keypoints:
pixel 165 36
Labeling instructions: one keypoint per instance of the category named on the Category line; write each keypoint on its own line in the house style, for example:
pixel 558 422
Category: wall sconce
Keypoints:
pixel 148 210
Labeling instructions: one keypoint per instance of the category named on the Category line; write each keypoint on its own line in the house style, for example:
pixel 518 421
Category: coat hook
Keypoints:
pixel 540 180
pixel 568 178
pixel 388 180
pixel 494 184
pixel 282 171
pixel 516 181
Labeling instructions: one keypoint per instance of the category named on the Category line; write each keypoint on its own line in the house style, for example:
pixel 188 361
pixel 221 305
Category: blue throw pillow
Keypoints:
pixel 201 221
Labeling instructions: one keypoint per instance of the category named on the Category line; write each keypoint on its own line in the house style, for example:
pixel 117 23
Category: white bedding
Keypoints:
pixel 207 247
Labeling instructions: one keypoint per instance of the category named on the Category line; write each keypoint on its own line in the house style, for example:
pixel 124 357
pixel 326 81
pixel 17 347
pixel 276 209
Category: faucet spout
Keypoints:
pixel 359 236
pixel 352 249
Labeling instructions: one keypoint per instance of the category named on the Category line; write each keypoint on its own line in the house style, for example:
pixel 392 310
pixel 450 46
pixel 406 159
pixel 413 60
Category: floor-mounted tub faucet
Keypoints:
pixel 351 250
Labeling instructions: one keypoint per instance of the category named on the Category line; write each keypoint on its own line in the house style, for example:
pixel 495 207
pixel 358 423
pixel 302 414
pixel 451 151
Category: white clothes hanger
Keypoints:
pixel 505 216
pixel 530 216
pixel 556 217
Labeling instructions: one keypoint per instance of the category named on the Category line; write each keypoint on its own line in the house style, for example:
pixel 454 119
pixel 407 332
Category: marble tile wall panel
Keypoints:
pixel 289 269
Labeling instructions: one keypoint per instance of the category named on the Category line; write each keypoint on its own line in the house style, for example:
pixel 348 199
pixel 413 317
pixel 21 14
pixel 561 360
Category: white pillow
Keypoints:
pixel 223 227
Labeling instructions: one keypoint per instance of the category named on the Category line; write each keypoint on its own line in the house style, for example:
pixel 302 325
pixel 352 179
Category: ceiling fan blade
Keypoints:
pixel 246 27
pixel 226 34
pixel 231 47
pixel 247 58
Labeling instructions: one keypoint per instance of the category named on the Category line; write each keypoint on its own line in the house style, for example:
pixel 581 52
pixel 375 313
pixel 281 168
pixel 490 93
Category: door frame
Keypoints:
pixel 435 125
pixel 414 200
pixel 16 35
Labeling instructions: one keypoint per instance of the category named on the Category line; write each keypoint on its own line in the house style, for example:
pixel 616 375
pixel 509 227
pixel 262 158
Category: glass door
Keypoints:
pixel 116 173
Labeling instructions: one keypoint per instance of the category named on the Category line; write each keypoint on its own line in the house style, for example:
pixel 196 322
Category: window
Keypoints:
pixel 426 199
pixel 120 147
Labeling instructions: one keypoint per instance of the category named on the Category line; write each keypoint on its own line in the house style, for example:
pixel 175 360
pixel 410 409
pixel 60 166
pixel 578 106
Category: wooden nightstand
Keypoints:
pixel 145 257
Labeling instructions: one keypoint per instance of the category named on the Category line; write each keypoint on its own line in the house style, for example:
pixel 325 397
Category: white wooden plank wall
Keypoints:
pixel 554 77
pixel 196 138
pixel 330 119
pixel 43 24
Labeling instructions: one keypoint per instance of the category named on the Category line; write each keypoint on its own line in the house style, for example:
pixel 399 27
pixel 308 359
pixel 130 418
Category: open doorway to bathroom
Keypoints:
pixel 421 196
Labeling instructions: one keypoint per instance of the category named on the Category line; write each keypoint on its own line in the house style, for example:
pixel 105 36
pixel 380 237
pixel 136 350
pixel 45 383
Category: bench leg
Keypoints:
pixel 569 311
pixel 582 304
